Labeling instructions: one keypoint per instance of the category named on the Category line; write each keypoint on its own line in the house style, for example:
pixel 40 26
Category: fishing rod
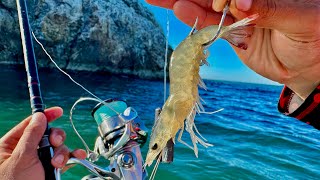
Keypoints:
pixel 45 151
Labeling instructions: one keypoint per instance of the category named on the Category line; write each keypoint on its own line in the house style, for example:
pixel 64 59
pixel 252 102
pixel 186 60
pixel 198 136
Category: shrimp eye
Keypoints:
pixel 155 146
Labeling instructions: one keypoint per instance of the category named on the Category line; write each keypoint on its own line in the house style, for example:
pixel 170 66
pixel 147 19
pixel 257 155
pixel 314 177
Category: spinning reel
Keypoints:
pixel 120 137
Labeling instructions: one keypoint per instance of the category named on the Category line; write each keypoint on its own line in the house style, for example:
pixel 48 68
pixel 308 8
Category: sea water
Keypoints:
pixel 252 140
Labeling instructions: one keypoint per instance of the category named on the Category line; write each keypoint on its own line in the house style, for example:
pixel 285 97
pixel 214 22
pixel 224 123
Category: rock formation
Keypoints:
pixel 114 36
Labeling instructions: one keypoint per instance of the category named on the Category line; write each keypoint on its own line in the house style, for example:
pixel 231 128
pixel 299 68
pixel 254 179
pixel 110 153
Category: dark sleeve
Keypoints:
pixel 307 111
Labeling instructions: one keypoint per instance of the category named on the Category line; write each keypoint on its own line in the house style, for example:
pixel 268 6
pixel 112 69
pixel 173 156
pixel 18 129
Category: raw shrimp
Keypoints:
pixel 179 110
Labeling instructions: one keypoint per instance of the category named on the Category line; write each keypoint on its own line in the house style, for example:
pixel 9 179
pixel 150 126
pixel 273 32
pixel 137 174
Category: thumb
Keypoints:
pixel 28 143
pixel 276 14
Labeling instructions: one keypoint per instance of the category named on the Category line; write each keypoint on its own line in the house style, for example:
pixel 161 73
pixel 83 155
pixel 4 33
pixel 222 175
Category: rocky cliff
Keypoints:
pixel 114 36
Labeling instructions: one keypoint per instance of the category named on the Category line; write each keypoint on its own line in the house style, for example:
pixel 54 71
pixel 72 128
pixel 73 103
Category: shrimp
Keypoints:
pixel 183 103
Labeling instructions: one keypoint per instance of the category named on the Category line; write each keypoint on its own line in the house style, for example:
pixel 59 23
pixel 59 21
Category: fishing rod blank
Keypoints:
pixel 45 150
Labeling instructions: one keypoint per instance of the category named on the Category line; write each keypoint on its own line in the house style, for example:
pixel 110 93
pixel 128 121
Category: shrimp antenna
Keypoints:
pixel 213 112
pixel 155 168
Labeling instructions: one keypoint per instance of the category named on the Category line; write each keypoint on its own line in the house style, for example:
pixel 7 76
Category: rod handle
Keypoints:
pixel 45 153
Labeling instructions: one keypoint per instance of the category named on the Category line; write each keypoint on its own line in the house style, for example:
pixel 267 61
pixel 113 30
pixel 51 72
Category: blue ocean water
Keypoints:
pixel 251 139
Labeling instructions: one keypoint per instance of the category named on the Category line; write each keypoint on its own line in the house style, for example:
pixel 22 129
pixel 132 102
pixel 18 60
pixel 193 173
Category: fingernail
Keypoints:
pixel 58 139
pixel 243 5
pixel 215 5
pixel 59 159
pixel 58 112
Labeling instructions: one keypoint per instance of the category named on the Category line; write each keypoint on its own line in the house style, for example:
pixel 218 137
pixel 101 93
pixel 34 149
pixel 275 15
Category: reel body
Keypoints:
pixel 120 137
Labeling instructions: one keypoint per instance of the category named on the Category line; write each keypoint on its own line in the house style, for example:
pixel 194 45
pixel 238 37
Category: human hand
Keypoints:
pixel 18 148
pixel 285 44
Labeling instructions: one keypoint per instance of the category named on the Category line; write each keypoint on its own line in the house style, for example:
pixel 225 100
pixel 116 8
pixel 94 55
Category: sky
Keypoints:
pixel 224 63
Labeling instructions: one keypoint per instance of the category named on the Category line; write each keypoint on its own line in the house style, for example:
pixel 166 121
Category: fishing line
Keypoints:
pixel 166 60
pixel 90 152
pixel 74 81
pixel 73 126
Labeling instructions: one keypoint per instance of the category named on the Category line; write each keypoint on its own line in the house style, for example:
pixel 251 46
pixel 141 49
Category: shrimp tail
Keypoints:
pixel 235 33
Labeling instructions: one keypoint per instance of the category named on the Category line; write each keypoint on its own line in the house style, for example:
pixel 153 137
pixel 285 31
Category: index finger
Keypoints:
pixel 188 12
pixel 15 133
pixel 169 3
pixel 162 3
